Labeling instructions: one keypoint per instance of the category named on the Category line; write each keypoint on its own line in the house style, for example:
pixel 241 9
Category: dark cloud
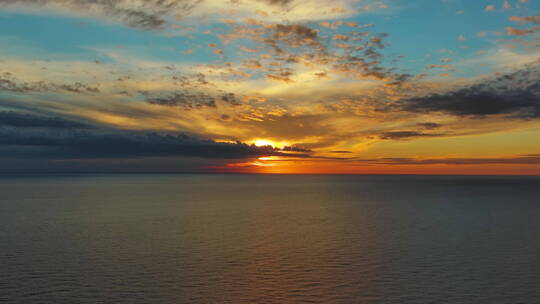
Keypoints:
pixel 230 98
pixel 278 2
pixel 10 83
pixel 294 34
pixel 520 159
pixel 22 120
pixel 194 95
pixel 398 79
pixel 109 144
pixel 78 87
pixel 56 143
pixel 470 102
pixel 429 125
pixel 191 80
pixel 516 93
pixel 283 77
pixel 295 149
pixel 31 136
pixel 140 19
pixel 185 100
pixel 406 134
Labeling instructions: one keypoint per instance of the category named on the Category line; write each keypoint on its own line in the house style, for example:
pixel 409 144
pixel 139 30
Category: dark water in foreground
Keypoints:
pixel 269 239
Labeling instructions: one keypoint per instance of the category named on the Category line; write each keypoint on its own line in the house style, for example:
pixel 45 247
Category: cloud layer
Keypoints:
pixel 517 94
pixel 39 136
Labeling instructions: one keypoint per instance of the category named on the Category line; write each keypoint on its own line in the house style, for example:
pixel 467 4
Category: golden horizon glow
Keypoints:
pixel 336 167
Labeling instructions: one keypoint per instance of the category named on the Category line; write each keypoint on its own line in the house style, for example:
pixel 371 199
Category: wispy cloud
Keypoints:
pixel 162 14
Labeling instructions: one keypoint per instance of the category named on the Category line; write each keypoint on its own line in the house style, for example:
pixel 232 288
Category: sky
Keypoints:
pixel 270 86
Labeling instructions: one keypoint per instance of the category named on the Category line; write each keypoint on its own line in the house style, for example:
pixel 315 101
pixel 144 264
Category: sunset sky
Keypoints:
pixel 270 86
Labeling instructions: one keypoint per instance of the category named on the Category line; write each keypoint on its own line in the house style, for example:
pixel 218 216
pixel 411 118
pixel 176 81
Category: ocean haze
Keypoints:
pixel 232 238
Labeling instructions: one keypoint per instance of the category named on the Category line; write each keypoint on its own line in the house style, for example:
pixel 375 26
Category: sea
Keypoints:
pixel 233 238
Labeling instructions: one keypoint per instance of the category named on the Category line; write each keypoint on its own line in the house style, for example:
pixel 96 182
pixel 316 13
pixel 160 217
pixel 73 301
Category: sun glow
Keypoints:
pixel 263 142
pixel 267 158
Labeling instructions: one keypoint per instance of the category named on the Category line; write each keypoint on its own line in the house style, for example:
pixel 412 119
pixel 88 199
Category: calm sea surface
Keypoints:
pixel 269 239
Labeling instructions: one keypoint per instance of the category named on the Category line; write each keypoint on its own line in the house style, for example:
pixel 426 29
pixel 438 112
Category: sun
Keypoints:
pixel 263 142
pixel 271 143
